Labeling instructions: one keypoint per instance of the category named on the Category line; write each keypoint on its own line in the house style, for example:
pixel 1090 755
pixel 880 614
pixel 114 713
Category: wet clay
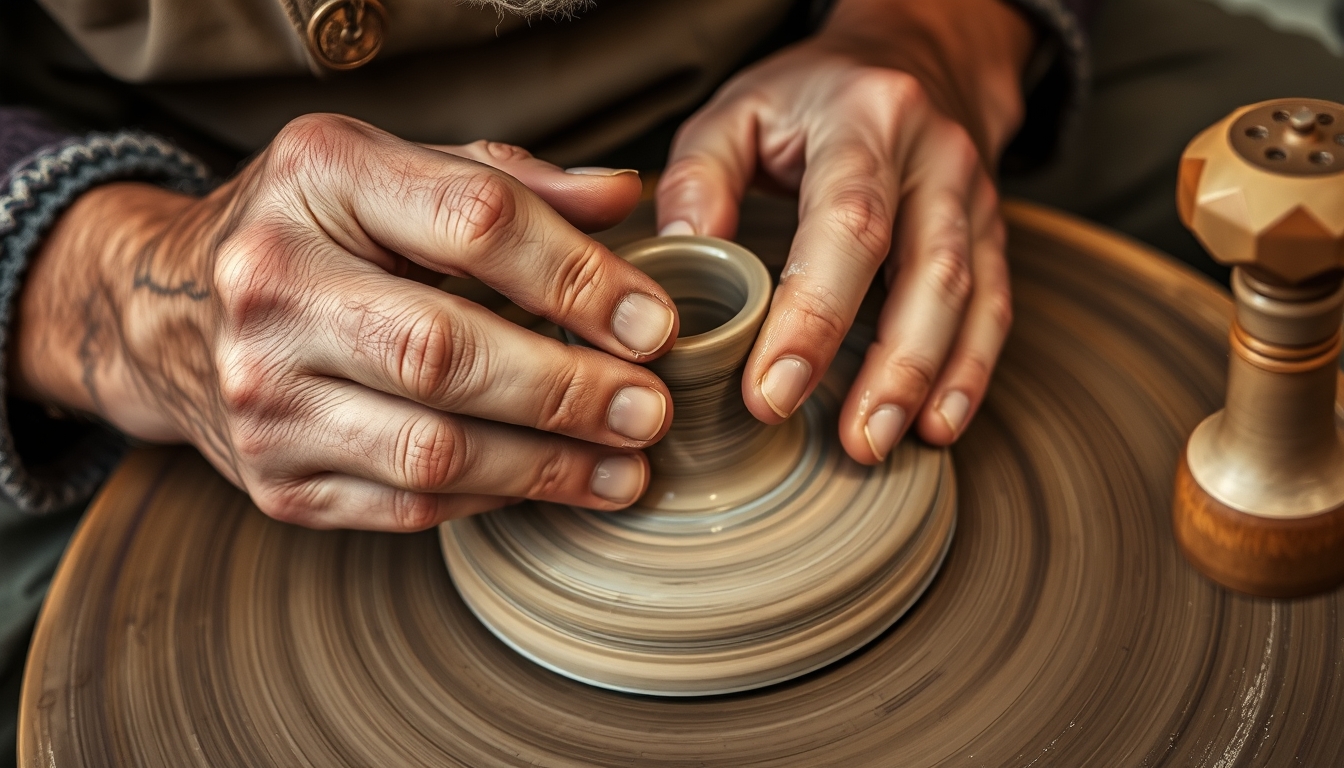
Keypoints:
pixel 184 628
pixel 759 553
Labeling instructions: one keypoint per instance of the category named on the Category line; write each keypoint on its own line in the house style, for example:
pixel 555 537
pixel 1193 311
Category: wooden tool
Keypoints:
pixel 1259 503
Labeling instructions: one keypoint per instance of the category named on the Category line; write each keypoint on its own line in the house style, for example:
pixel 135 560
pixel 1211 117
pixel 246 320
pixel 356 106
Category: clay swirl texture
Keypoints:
pixel 1064 628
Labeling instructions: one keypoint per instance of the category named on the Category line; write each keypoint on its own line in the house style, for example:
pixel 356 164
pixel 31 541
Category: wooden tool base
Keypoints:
pixel 1262 556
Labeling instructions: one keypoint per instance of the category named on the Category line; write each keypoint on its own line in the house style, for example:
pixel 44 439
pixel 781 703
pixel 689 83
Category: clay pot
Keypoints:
pixel 716 454
pixel 759 552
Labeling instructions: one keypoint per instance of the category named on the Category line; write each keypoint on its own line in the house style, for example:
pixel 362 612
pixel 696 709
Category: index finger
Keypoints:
pixel 592 199
pixel 458 216
pixel 847 206
pixel 712 159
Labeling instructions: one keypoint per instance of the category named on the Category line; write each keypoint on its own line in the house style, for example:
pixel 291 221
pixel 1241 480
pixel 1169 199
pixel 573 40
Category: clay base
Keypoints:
pixel 757 555
pixel 673 603
pixel 185 628
pixel 1262 556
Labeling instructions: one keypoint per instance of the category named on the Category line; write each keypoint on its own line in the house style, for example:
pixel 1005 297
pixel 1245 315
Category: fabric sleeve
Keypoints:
pixel 23 132
pixel 1057 81
pixel 49 463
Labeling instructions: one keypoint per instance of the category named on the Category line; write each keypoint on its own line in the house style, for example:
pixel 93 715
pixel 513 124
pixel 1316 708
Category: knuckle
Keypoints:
pixel 818 312
pixel 413 512
pixel 977 369
pixel 861 217
pixel 429 452
pixel 564 404
pixel 896 90
pixel 434 357
pixel 295 503
pixel 421 353
pixel 252 441
pixel 443 362
pixel 498 150
pixel 949 270
pixel 258 408
pixel 909 374
pixel 252 273
pixel 683 176
pixel 581 275
pixel 551 477
pixel 999 307
pixel 246 379
pixel 694 126
pixel 311 141
pixel 474 209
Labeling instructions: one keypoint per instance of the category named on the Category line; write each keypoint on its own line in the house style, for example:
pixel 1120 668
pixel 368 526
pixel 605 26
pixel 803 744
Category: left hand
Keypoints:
pixel 885 123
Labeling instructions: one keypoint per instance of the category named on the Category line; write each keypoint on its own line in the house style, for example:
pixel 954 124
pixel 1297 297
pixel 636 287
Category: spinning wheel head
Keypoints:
pixel 1260 490
pixel 1264 189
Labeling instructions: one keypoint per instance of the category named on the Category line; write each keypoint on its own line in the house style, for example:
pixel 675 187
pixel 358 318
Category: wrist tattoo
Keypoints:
pixel 144 278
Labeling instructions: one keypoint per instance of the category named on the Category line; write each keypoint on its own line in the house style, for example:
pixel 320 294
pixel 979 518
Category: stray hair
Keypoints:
pixel 534 9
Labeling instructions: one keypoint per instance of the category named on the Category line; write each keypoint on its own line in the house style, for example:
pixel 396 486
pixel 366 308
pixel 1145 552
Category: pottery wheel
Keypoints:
pixel 1064 628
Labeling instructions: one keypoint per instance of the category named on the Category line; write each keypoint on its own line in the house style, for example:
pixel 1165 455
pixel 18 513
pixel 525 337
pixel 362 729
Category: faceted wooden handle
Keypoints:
pixel 1263 189
pixel 1259 503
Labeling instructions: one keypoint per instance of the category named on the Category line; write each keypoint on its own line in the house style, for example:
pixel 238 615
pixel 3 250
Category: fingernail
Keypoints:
pixel 592 170
pixel 784 384
pixel 883 427
pixel 637 412
pixel 677 227
pixel 618 479
pixel 953 409
pixel 642 323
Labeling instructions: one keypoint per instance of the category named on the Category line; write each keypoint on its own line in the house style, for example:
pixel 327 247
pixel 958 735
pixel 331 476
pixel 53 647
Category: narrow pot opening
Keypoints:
pixel 709 291
pixel 722 293
pixel 701 315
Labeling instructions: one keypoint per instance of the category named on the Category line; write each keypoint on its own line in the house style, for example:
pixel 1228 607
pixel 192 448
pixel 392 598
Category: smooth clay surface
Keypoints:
pixel 184 628
pixel 758 554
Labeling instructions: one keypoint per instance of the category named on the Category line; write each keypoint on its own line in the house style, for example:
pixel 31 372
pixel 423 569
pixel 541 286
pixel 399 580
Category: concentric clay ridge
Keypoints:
pixel 759 553
pixel 185 628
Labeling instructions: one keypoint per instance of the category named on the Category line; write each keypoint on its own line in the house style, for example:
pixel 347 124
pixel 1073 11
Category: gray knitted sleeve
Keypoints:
pixel 33 194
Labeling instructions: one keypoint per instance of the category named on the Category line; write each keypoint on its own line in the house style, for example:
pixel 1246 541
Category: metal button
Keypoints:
pixel 345 34
pixel 1303 120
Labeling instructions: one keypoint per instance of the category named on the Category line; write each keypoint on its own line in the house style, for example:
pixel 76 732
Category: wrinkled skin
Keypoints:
pixel 271 324
pixel 285 324
pixel 888 153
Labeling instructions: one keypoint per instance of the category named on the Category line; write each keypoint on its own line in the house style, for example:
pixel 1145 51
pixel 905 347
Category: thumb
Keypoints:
pixel 591 199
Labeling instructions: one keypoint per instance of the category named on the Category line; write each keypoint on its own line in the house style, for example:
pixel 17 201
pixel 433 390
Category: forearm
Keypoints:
pixel 969 54
pixel 47 173
pixel 70 334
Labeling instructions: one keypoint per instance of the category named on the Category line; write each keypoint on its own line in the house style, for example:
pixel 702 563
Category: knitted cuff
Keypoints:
pixel 35 192
pixel 1057 81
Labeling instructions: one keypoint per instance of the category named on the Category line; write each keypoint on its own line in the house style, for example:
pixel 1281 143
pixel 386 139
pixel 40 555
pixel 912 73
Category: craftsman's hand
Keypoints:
pixel 884 123
pixel 272 325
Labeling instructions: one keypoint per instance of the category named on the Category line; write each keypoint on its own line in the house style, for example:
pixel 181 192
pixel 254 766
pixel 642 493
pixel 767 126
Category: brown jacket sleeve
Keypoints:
pixel 238 70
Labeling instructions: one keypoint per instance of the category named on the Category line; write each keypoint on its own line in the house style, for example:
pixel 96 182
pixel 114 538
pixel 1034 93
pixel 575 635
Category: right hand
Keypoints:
pixel 271 324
